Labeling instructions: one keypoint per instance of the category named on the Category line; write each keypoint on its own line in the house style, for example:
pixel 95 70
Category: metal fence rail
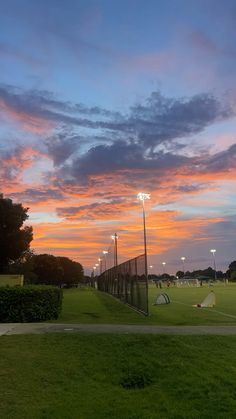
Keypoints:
pixel 128 283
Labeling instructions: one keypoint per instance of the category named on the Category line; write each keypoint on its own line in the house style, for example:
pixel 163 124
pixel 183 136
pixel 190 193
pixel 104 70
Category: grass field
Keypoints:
pixel 91 306
pixel 124 376
pixel 98 376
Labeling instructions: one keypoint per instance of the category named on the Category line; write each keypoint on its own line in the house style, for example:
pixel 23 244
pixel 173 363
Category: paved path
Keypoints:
pixel 39 328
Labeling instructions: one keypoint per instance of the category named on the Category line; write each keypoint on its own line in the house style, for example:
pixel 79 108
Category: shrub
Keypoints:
pixel 30 303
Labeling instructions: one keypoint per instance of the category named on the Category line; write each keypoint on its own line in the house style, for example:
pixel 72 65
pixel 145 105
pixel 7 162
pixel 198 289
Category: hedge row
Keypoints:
pixel 30 303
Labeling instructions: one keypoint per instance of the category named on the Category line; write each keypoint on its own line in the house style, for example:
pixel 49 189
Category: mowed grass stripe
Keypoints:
pixel 98 376
pixel 92 306
pixel 212 310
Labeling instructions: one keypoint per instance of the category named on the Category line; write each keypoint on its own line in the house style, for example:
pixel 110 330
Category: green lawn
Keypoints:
pixel 91 306
pixel 123 376
pixel 100 376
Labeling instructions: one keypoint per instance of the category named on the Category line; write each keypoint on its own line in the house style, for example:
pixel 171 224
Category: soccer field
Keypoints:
pixel 91 306
pixel 181 310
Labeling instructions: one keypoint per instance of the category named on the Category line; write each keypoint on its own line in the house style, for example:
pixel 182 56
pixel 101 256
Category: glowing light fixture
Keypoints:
pixel 115 237
pixel 183 259
pixel 105 259
pixel 163 264
pixel 142 197
pixel 214 261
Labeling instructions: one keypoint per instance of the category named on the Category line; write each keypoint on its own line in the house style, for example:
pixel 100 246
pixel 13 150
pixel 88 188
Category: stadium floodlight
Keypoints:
pixel 105 259
pixel 183 259
pixel 100 264
pixel 142 197
pixel 150 268
pixel 115 237
pixel 214 261
pixel 163 264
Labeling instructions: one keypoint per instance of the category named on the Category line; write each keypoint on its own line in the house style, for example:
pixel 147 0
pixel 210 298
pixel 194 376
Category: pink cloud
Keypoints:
pixel 33 124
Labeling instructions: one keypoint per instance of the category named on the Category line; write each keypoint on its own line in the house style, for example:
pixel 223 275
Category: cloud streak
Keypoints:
pixel 102 158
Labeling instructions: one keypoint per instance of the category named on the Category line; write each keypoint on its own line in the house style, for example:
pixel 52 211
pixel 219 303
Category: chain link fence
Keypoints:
pixel 128 283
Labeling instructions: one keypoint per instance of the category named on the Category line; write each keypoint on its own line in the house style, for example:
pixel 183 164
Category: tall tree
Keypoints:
pixel 180 274
pixel 232 270
pixel 72 271
pixel 48 269
pixel 232 266
pixel 14 239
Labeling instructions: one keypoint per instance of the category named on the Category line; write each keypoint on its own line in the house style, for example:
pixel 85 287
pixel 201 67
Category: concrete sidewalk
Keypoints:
pixel 40 328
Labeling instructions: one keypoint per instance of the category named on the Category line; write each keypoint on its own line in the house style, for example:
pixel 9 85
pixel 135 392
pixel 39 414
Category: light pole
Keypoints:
pixel 163 264
pixel 115 237
pixel 214 261
pixel 105 261
pixel 183 259
pixel 100 265
pixel 142 197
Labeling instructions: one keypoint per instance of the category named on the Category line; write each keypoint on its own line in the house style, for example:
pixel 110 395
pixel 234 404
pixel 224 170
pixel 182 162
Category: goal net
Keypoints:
pixel 209 301
pixel 162 298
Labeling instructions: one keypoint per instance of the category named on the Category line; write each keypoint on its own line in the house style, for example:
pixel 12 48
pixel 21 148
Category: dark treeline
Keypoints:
pixel 206 274
pixel 48 269
pixel 16 256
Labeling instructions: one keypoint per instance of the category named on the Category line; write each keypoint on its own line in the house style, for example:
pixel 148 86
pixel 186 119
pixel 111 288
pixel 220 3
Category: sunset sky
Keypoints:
pixel 100 100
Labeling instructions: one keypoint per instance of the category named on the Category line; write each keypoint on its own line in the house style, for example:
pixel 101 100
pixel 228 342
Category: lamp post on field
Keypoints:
pixel 183 260
pixel 115 237
pixel 100 265
pixel 214 261
pixel 105 260
pixel 163 264
pixel 142 197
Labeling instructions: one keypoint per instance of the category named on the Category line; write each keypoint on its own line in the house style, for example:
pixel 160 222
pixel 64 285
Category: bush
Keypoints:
pixel 30 303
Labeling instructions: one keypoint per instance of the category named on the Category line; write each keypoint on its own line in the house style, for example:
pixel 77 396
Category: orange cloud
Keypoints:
pixel 33 124
pixel 87 241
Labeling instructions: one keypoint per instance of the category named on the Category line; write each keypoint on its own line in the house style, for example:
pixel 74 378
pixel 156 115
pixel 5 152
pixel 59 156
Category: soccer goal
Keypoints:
pixel 209 301
pixel 162 298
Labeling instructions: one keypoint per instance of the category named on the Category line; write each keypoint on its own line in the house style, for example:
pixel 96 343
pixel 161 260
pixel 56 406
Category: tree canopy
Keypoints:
pixel 72 271
pixel 48 269
pixel 232 270
pixel 232 266
pixel 14 239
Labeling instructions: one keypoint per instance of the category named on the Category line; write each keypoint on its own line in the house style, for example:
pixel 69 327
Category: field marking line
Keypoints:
pixel 207 309
pixel 180 302
pixel 221 312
